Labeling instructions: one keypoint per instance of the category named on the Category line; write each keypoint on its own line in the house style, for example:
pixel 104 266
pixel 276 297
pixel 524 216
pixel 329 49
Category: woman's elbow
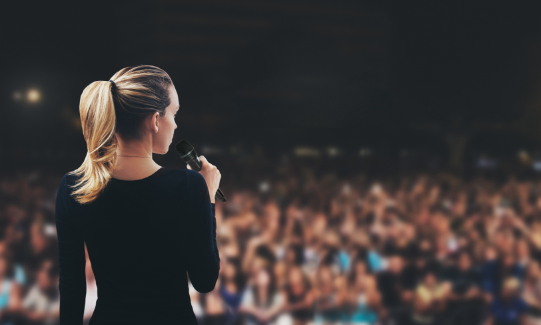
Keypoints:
pixel 206 284
pixel 204 287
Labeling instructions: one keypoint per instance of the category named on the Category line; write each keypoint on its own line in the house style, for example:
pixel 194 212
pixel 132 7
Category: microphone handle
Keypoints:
pixel 196 165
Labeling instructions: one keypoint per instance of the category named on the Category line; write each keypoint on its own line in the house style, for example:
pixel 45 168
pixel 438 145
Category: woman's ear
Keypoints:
pixel 155 122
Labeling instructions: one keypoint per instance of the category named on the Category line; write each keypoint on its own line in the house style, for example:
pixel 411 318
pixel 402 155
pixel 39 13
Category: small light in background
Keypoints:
pixel 333 151
pixel 537 165
pixel 211 150
pixel 524 157
pixel 17 95
pixel 264 186
pixel 33 96
pixel 306 152
pixel 49 230
pixel 485 162
pixel 364 152
pixel 346 189
pixel 376 189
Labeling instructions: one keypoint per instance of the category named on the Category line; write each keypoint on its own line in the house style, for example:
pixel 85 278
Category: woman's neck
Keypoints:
pixel 141 164
pixel 132 168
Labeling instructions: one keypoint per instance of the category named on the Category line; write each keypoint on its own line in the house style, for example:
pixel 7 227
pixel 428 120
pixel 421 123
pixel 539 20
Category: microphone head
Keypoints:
pixel 185 150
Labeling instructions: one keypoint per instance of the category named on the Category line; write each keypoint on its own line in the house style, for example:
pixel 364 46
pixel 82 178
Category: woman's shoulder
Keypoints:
pixel 70 178
pixel 192 173
pixel 178 172
pixel 183 173
pixel 173 176
pixel 195 179
pixel 185 178
pixel 67 183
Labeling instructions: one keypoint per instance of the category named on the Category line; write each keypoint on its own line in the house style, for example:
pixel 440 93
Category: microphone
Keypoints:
pixel 188 154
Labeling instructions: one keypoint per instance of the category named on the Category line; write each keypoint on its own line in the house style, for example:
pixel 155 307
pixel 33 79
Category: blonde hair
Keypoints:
pixel 108 111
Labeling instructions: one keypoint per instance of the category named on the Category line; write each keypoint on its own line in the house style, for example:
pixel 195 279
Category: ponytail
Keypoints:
pixel 105 114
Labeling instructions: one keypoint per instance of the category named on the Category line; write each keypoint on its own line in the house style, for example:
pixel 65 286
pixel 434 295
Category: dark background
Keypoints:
pixel 396 77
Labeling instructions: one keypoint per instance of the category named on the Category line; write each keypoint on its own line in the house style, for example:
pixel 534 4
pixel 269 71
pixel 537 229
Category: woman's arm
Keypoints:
pixel 71 254
pixel 203 257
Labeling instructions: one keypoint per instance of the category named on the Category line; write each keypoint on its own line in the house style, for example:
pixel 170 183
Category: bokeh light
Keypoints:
pixel 33 96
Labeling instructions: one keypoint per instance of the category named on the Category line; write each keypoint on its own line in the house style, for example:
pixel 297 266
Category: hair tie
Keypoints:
pixel 113 88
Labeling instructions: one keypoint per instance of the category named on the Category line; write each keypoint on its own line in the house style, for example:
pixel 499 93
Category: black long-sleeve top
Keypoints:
pixel 142 237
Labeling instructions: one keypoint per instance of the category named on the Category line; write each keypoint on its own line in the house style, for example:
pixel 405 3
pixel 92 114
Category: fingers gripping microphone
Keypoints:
pixel 188 154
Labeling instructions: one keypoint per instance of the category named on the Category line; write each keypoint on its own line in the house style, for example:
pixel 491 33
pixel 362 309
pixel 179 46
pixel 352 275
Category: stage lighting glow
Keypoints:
pixel 17 95
pixel 264 186
pixel 306 152
pixel 365 152
pixel 537 165
pixel 33 96
pixel 333 151
pixel 524 157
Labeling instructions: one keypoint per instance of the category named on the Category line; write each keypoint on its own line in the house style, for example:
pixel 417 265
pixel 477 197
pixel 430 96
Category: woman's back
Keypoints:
pixel 142 237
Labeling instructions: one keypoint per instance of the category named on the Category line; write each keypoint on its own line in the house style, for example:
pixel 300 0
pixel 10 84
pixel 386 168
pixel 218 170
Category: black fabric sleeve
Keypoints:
pixel 71 252
pixel 203 257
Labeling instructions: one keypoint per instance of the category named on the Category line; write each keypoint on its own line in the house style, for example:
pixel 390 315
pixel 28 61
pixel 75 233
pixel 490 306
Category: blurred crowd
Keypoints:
pixel 305 246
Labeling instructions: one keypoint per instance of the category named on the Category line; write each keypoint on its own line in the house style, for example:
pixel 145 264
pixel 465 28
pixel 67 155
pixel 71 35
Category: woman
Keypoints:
pixel 262 302
pixel 363 296
pixel 231 288
pixel 144 225
pixel 429 299
pixel 330 297
pixel 300 296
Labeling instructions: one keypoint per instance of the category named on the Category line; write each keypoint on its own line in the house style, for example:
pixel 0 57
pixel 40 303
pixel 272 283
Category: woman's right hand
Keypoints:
pixel 212 177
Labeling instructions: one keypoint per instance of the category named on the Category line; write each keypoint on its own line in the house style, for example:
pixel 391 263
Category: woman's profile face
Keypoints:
pixel 166 125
